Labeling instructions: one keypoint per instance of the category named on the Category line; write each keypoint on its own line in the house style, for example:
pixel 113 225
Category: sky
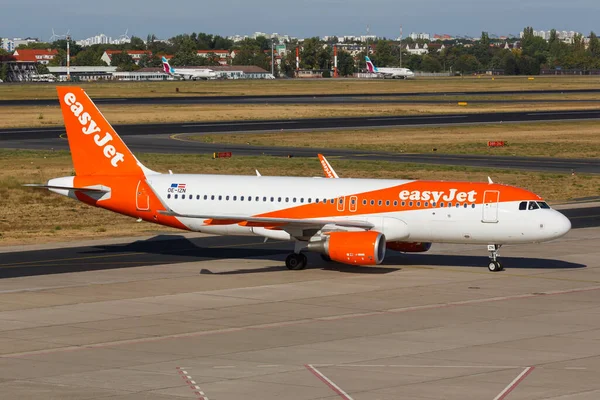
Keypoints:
pixel 304 18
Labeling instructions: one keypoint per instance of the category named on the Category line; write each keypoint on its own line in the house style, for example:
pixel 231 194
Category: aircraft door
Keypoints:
pixel 353 203
pixel 142 198
pixel 490 206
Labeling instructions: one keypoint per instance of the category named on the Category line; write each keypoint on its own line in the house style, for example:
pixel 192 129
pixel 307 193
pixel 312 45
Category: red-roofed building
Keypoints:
pixel 221 55
pixel 35 55
pixel 136 55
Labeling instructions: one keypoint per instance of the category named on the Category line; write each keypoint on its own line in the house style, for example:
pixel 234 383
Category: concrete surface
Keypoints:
pixel 421 326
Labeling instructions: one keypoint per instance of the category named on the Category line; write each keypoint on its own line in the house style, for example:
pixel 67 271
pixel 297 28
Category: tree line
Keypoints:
pixel 532 54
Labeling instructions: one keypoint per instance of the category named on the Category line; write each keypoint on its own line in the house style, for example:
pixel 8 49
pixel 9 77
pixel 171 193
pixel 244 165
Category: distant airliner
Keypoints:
pixel 351 221
pixel 403 73
pixel 188 73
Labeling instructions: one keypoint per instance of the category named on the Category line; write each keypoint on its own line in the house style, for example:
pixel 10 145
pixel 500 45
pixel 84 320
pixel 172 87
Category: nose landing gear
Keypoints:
pixel 494 265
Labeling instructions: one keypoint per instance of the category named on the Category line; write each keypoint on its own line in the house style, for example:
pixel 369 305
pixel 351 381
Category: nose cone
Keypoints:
pixel 560 225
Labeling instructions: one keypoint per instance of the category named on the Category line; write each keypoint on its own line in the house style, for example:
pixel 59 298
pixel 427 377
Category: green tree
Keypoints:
pixel 150 61
pixel 91 56
pixel 4 72
pixel 123 61
pixel 345 63
pixel 35 45
pixel 385 54
pixel 467 63
pixel 42 69
pixel 430 64
pixel 594 45
pixel 309 54
pixel 136 43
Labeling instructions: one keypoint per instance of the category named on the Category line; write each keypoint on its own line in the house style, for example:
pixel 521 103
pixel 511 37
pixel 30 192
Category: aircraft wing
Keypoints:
pixel 245 220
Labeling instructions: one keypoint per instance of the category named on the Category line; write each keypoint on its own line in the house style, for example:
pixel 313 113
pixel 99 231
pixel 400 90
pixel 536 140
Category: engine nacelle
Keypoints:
pixel 355 248
pixel 409 247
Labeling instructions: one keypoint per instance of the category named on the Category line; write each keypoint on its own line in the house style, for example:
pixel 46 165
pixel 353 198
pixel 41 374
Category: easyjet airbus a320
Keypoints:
pixel 351 221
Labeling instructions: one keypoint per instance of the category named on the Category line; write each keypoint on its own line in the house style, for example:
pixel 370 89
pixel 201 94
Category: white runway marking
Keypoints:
pixel 511 386
pixel 328 382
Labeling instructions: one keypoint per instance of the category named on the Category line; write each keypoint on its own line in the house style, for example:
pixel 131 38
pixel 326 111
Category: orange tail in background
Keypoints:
pixel 96 148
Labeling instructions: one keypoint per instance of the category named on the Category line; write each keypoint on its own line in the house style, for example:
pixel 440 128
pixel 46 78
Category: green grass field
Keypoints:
pixel 300 86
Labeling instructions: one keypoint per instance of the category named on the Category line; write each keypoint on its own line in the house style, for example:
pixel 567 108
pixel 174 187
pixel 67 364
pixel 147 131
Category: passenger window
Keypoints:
pixel 426 204
pixel 257 198
pixel 241 198
pixel 212 197
pixel 205 197
pixel 279 199
pixel 418 204
pixel 234 198
pixel 309 200
pixel 168 196
pixel 353 201
pixel 287 199
pixel 533 205
pixel 387 203
pixel 227 198
pixel 523 205
pixel 403 204
pixel 449 204
pixel 364 202
pixel 294 200
pixel 472 205
pixel 441 204
pixel 317 200
pixel 457 205
pixel 372 202
pixel 395 203
pixel 272 199
pixel 175 196
pixel 220 197
pixel 249 198
pixel 433 204
pixel 410 204
pixel 198 197
pixel 465 205
pixel 333 201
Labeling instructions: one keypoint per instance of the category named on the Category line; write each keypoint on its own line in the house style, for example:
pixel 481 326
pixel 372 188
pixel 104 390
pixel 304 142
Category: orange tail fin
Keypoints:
pixel 96 148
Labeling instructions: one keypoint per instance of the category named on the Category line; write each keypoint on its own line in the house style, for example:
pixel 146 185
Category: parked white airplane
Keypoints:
pixel 351 221
pixel 188 73
pixel 403 73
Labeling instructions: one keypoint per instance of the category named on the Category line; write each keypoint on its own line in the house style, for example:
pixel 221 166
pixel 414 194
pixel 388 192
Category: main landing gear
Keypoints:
pixel 494 265
pixel 296 261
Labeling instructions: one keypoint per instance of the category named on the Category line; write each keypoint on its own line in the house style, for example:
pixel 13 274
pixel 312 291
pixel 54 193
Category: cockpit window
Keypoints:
pixel 523 205
pixel 543 204
pixel 533 205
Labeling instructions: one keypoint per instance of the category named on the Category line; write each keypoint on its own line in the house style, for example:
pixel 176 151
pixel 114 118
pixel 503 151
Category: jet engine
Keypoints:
pixel 355 248
pixel 409 247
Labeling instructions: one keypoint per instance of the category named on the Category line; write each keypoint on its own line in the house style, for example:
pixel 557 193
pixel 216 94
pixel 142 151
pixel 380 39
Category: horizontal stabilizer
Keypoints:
pixel 84 189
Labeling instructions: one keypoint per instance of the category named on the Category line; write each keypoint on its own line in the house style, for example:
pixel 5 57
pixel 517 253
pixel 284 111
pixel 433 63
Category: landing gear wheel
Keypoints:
pixel 296 262
pixel 494 266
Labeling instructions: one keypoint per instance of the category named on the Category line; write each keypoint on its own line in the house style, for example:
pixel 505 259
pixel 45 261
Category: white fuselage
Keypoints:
pixel 195 73
pixel 356 199
pixel 396 72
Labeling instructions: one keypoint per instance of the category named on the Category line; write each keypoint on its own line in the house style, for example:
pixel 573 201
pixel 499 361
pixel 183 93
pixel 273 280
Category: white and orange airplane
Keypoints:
pixel 351 221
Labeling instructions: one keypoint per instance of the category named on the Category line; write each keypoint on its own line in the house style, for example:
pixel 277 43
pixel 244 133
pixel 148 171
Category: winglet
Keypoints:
pixel 327 169
pixel 257 173
pixel 490 180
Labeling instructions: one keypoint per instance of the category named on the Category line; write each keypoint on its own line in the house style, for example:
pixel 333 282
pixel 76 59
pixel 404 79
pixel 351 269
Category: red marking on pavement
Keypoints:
pixel 328 382
pixel 511 386
pixel 197 391
pixel 297 322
